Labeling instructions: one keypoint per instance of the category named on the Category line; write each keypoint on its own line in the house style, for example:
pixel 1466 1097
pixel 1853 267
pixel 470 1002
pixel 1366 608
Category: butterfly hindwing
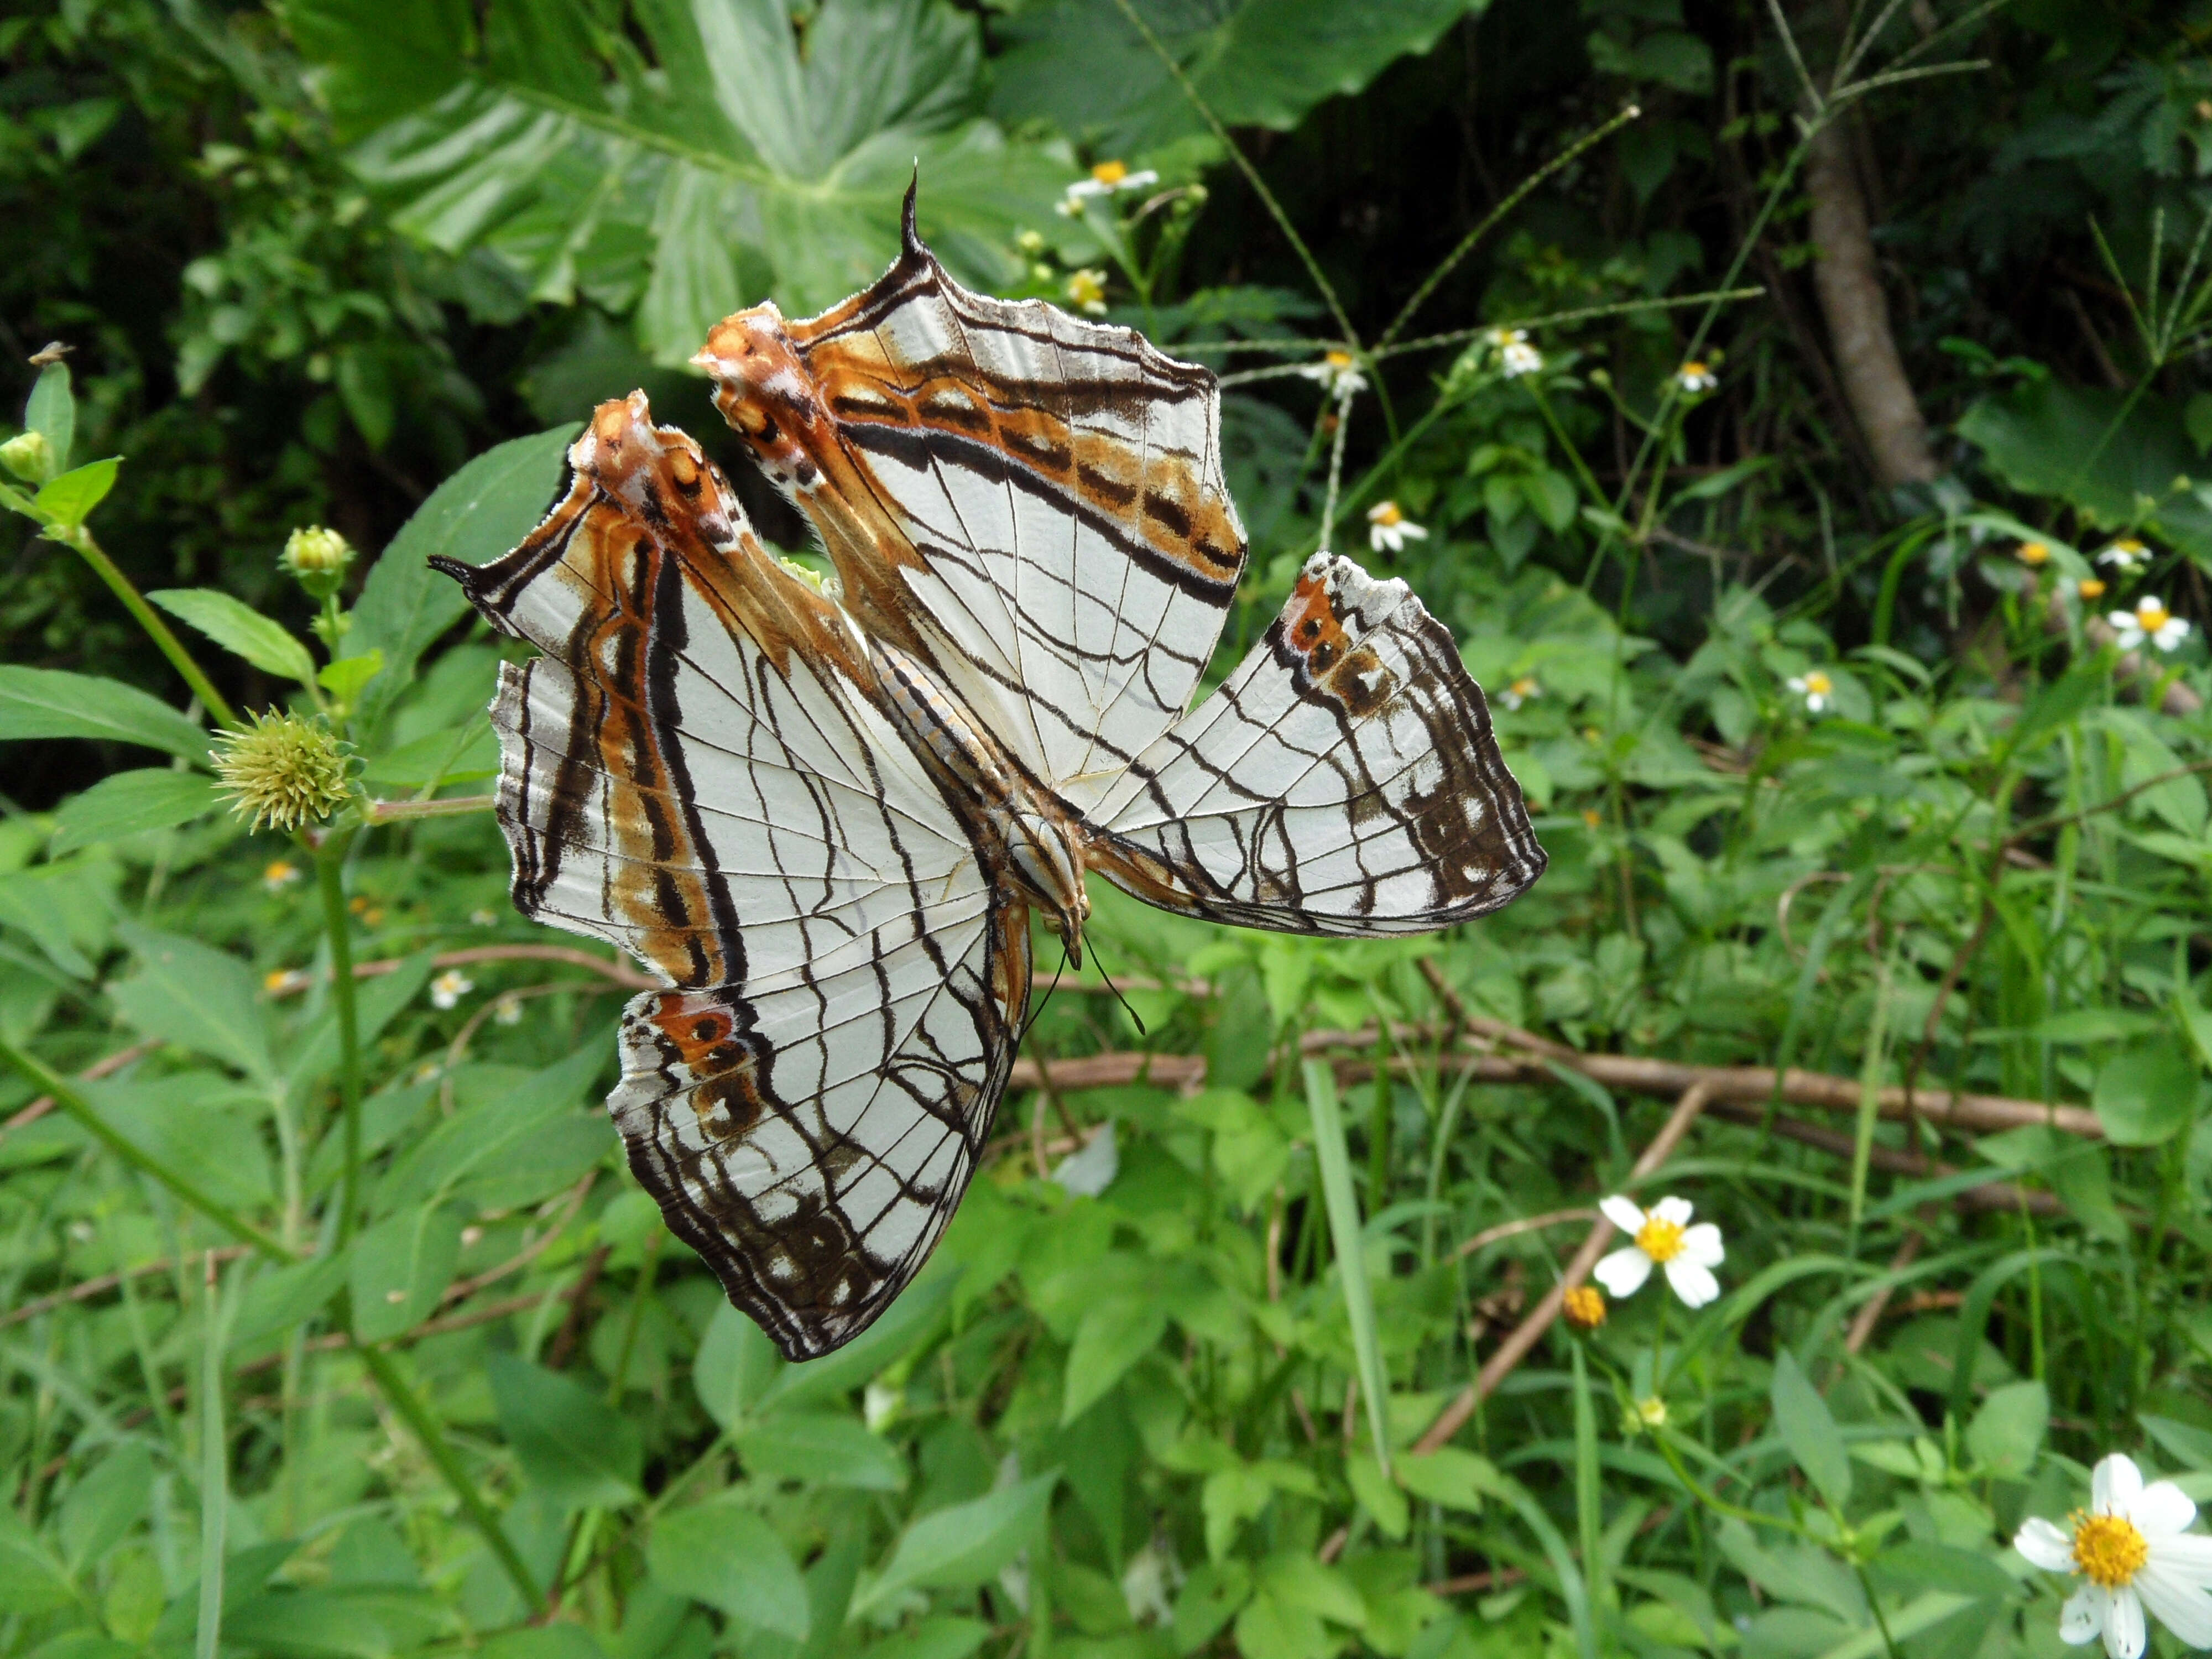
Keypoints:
pixel 1343 779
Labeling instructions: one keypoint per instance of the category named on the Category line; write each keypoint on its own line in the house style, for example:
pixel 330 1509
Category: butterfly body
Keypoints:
pixel 823 812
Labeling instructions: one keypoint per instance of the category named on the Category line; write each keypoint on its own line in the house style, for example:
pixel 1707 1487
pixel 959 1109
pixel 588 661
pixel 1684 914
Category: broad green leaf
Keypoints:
pixel 198 997
pixel 1215 1591
pixel 32 1581
pixel 529 1131
pixel 1802 1418
pixel 477 514
pixel 943 1636
pixel 1457 1479
pixel 1927 1564
pixel 724 1555
pixel 576 1449
pixel 69 499
pixel 1256 62
pixel 376 1003
pixel 1113 1335
pixel 2009 1429
pixel 823 1449
pixel 281 1297
pixel 1377 1495
pixel 131 803
pixel 399 1269
pixel 344 678
pixel 52 409
pixel 2147 1094
pixel 734 1367
pixel 739 166
pixel 106 1504
pixel 963 1545
pixel 46 702
pixel 556 1641
pixel 239 629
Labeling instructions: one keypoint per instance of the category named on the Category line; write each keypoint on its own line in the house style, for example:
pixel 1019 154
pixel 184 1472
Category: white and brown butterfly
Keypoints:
pixel 822 811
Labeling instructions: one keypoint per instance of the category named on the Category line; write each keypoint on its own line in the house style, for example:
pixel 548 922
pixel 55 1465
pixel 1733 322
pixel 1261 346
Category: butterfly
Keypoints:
pixel 823 809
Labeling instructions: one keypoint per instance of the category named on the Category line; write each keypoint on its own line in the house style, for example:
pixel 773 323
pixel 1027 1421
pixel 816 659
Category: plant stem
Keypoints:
pixel 391 811
pixel 411 1410
pixel 80 540
pixel 330 874
pixel 49 1081
pixel 215 1474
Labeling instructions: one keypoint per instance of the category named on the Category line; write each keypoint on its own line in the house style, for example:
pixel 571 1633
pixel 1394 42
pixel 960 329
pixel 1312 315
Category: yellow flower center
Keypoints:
pixel 1110 174
pixel 1386 513
pixel 1818 684
pixel 1338 360
pixel 2127 544
pixel 2108 1549
pixel 1084 288
pixel 1660 1238
pixel 2092 588
pixel 2033 552
pixel 275 980
pixel 1524 687
pixel 1592 817
pixel 2152 615
pixel 1694 371
pixel 1584 1307
pixel 278 871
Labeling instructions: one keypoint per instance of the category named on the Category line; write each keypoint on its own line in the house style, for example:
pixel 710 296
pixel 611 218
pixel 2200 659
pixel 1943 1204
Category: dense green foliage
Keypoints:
pixel 330 1322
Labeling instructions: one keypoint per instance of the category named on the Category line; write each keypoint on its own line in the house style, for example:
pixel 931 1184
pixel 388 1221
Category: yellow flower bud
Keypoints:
pixel 319 557
pixel 29 457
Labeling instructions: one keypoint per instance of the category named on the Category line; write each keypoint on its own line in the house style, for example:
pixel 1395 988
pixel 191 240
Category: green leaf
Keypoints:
pixel 735 1365
pixel 823 1449
pixel 1343 1206
pixel 52 411
pixel 962 1544
pixel 1802 1418
pixel 737 165
pixel 106 1504
pixel 69 499
pixel 1377 1495
pixel 378 1002
pixel 31 1580
pixel 198 997
pixel 477 514
pixel 2147 1094
pixel 2009 1429
pixel 576 1450
pixel 1457 1479
pixel 239 629
pixel 400 1269
pixel 2059 703
pixel 344 678
pixel 131 803
pixel 1114 1333
pixel 46 702
pixel 512 1149
pixel 1256 62
pixel 281 1297
pixel 941 1637
pixel 724 1555
pixel 556 1641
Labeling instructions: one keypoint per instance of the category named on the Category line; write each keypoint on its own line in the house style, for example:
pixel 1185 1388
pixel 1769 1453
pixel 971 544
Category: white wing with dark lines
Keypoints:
pixel 695 773
pixel 1344 780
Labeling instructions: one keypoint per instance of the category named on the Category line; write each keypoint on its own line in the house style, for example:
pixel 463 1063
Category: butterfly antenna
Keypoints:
pixel 1038 1013
pixel 1116 990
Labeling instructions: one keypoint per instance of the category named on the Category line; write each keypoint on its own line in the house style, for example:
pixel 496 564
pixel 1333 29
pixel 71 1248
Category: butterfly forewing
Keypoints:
pixel 696 772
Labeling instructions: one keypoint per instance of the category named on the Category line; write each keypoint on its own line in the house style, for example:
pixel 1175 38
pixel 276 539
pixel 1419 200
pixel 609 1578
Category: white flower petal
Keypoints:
pixel 2045 1544
pixel 2114 1485
pixel 2189 1553
pixel 1419 533
pixel 1702 1244
pixel 1693 1281
pixel 1676 1210
pixel 2082 1618
pixel 2170 638
pixel 1623 1273
pixel 2122 620
pixel 1815 703
pixel 1623 1213
pixel 2178 1602
pixel 2125 1635
pixel 2162 1510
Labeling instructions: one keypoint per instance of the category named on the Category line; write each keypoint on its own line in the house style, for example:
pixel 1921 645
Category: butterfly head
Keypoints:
pixel 657 470
pixel 768 395
pixel 1048 867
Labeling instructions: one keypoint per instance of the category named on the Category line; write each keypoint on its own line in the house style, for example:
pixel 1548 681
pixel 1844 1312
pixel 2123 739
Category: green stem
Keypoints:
pixel 79 539
pixel 411 1410
pixel 215 1475
pixel 329 873
pixel 392 812
pixel 49 1081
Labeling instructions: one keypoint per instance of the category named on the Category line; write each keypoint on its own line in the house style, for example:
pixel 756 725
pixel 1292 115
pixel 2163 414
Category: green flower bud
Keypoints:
pixel 282 771
pixel 319 557
pixel 29 457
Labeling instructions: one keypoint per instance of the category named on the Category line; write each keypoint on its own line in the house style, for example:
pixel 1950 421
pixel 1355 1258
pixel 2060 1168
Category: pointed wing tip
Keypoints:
pixel 910 237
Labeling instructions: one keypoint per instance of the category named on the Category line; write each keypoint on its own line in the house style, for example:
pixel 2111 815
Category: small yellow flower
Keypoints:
pixel 1110 174
pixel 1815 687
pixel 2150 620
pixel 2127 555
pixel 1520 691
pixel 449 988
pixel 1695 378
pixel 318 558
pixel 1108 178
pixel 507 1009
pixel 2090 588
pixel 2035 553
pixel 1583 1305
pixel 280 874
pixel 276 982
pixel 358 904
pixel 1337 373
pixel 1592 817
pixel 1652 1412
pixel 1389 529
pixel 1086 290
pixel 29 456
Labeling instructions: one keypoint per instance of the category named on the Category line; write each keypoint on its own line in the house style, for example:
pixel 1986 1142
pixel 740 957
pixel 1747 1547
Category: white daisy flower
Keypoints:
pixel 482 917
pixel 1816 688
pixel 507 1009
pixel 449 988
pixel 2134 1545
pixel 1107 179
pixel 1516 357
pixel 2127 555
pixel 1086 290
pixel 2150 620
pixel 1389 529
pixel 1520 691
pixel 1663 1238
pixel 279 875
pixel 1694 379
pixel 1337 374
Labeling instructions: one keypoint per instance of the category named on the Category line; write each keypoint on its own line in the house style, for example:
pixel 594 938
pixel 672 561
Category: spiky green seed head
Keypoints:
pixel 282 771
